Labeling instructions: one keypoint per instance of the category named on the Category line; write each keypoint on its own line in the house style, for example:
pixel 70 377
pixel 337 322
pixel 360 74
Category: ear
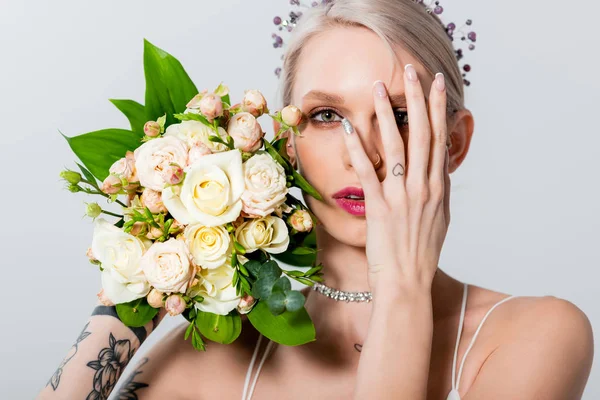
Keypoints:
pixel 460 129
pixel 289 149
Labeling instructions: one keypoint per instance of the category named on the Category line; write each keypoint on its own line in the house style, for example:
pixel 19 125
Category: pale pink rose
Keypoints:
pixel 174 304
pixel 301 221
pixel 152 128
pixel 291 115
pixel 254 102
pixel 153 200
pixel 246 132
pixel 211 106
pixel 173 174
pixel 167 266
pixel 197 151
pixel 112 184
pixel 104 299
pixel 265 186
pixel 195 101
pixel 246 303
pixel 154 156
pixel 155 298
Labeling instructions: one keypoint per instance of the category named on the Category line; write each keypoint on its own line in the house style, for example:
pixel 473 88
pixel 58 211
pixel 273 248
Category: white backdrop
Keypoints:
pixel 525 203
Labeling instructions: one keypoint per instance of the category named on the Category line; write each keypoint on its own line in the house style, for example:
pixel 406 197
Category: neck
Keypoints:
pixel 340 324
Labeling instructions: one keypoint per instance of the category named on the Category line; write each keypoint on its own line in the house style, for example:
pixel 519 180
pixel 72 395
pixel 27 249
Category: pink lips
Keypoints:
pixel 352 206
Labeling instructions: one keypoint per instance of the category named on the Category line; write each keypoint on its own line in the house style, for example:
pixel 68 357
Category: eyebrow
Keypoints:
pixel 396 99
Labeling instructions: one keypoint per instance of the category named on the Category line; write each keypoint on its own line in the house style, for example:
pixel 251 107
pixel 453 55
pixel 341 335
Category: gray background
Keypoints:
pixel 524 204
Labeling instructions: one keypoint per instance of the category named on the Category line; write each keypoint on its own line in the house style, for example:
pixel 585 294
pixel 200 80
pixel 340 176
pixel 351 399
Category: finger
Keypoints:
pixel 363 166
pixel 392 140
pixel 437 111
pixel 419 129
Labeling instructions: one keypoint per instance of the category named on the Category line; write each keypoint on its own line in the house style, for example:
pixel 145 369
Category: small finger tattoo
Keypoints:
pixel 398 170
pixel 358 347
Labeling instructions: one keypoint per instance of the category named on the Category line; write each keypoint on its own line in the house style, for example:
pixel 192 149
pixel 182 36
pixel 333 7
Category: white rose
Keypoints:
pixel 265 185
pixel 120 253
pixel 215 285
pixel 211 191
pixel 209 246
pixel 154 156
pixel 195 132
pixel 167 266
pixel 268 233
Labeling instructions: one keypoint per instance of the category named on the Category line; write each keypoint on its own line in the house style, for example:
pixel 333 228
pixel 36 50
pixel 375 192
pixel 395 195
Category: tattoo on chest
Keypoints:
pixel 130 387
pixel 358 347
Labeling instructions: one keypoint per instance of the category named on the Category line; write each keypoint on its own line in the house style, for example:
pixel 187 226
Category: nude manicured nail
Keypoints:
pixel 440 82
pixel 380 89
pixel 411 73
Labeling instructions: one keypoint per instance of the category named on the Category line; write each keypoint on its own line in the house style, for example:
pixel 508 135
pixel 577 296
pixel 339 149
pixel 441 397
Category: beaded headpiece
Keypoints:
pixel 431 6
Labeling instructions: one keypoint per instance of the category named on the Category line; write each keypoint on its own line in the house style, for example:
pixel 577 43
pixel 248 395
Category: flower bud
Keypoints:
pixel 246 303
pixel 93 210
pixel 291 115
pixel 138 228
pixel 112 184
pixel 254 102
pixel 197 151
pixel 173 174
pixel 153 200
pixel 174 304
pixel 246 132
pixel 211 106
pixel 71 176
pixel 104 299
pixel 195 101
pixel 74 188
pixel 152 128
pixel 301 221
pixel 155 298
pixel 154 233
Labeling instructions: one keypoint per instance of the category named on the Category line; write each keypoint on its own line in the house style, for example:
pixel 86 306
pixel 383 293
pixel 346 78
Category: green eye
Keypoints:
pixel 327 116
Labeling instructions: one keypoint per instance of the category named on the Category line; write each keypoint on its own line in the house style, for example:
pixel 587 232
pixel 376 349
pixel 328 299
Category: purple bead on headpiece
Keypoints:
pixel 430 6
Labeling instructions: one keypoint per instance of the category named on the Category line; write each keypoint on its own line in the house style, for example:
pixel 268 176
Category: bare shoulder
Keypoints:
pixel 537 336
pixel 174 369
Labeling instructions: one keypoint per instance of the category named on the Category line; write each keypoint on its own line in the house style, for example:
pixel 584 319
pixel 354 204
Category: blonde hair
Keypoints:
pixel 397 22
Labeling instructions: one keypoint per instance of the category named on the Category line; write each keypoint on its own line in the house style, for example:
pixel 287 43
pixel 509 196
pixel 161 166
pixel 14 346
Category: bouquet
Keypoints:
pixel 205 210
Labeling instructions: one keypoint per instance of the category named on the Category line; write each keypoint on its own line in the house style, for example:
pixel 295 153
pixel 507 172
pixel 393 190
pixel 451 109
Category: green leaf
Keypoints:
pixel 303 184
pixel 289 328
pixel 263 287
pixel 168 86
pixel 135 113
pixel 283 284
pixel 193 117
pixel 253 267
pixel 294 300
pixel 269 270
pixel 188 331
pixel 295 259
pixel 277 157
pixel 88 175
pixel 276 303
pixel 219 328
pixel 136 313
pixel 302 251
pixel 98 150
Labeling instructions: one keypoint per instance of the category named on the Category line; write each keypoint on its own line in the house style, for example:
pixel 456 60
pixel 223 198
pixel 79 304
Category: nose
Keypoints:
pixel 368 132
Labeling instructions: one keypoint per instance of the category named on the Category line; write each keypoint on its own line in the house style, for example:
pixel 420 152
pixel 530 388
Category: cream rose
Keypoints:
pixel 119 254
pixel 195 132
pixel 211 191
pixel 167 266
pixel 268 233
pixel 156 155
pixel 264 185
pixel 246 132
pixel 215 285
pixel 209 246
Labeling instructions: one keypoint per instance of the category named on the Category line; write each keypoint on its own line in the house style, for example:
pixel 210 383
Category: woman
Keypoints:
pixel 413 339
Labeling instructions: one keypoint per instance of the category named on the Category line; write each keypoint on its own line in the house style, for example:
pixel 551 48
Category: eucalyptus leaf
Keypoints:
pixel 276 302
pixel 136 313
pixel 135 113
pixel 283 284
pixel 222 329
pixel 269 269
pixel 253 267
pixel 263 287
pixel 289 328
pixel 294 300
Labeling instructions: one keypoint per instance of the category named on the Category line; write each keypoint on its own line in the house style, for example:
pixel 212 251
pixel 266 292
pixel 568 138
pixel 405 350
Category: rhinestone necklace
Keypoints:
pixel 341 295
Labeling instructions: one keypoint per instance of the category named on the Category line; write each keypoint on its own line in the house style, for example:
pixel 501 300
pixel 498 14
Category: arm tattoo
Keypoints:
pixel 398 170
pixel 55 379
pixel 109 366
pixel 358 347
pixel 112 311
pixel 129 388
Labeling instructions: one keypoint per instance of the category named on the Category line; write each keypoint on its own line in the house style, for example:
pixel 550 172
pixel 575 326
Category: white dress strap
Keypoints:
pixel 247 395
pixel 453 395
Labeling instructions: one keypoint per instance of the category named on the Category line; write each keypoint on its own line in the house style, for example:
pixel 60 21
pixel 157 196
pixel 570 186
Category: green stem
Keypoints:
pixel 113 214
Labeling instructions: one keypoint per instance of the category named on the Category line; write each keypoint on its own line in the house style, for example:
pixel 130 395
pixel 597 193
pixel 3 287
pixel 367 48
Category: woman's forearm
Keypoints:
pixel 97 359
pixel 395 357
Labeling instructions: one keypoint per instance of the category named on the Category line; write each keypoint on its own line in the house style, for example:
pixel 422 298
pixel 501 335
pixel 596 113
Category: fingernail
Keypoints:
pixel 380 89
pixel 348 128
pixel 411 73
pixel 440 82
